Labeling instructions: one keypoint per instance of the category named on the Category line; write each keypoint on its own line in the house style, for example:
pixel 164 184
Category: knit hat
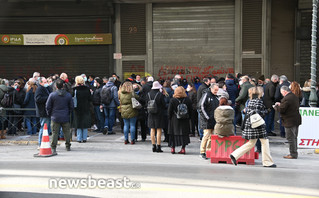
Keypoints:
pixel 156 85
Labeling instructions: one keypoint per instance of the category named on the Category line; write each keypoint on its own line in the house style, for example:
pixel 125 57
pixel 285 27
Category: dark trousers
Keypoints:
pixel 55 133
pixel 194 120
pixel 143 129
pixel 292 135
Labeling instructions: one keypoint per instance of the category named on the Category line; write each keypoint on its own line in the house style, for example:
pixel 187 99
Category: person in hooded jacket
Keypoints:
pixel 129 114
pixel 224 116
pixel 141 113
pixel 156 120
pixel 231 88
pixel 179 129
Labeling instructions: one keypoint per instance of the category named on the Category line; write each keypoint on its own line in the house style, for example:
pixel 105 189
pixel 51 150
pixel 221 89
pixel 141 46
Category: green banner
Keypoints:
pixel 56 39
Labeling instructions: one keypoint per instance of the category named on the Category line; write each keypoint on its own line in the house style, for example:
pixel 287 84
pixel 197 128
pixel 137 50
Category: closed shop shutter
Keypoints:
pixel 133 67
pixel 193 39
pixel 251 36
pixel 24 60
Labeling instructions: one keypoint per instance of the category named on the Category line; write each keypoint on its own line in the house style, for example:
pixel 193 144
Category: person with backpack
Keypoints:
pixel 110 102
pixel 155 107
pixel 179 114
pixel 5 101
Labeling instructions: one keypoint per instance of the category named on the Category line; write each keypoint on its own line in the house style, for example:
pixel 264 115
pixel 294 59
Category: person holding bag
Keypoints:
pixel 129 114
pixel 252 133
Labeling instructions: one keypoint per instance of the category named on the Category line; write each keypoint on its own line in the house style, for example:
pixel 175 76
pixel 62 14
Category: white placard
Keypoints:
pixel 308 136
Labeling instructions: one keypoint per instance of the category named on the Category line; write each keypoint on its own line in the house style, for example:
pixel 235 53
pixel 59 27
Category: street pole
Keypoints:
pixel 313 95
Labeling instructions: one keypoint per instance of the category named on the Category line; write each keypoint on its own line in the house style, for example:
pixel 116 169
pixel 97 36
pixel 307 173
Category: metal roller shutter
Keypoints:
pixel 193 39
pixel 50 18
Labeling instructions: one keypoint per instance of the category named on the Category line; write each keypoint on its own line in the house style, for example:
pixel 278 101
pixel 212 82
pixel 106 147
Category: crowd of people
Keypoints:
pixel 178 108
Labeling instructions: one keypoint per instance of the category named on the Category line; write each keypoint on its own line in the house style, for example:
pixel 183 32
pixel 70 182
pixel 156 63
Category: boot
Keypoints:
pixel 182 151
pixel 3 134
pixel 158 149
pixel 154 148
pixel 173 150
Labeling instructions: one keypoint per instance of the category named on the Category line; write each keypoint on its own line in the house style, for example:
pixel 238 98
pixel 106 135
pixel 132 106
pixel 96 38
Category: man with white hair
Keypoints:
pixel 176 81
pixel 283 81
pixel 36 76
pixel 289 111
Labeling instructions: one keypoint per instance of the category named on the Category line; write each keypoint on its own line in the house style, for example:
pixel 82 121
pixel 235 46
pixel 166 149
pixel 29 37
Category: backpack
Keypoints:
pixel 7 100
pixel 151 105
pixel 106 95
pixel 182 110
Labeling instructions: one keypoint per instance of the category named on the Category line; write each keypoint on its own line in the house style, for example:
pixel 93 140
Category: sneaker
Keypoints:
pixel 105 131
pixel 271 166
pixel 68 149
pixel 84 141
pixel 54 152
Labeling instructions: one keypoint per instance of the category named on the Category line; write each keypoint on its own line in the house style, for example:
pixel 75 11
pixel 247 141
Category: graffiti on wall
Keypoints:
pixel 190 72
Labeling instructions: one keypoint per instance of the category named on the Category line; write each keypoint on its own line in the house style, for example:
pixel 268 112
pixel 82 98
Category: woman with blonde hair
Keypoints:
pixel 255 105
pixel 128 113
pixel 82 115
pixel 179 127
pixel 306 94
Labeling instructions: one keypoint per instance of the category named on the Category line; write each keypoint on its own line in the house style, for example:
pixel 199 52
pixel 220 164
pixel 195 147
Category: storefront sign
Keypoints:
pixel 308 136
pixel 56 39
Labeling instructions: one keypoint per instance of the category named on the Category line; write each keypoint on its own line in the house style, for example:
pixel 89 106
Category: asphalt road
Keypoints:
pixel 151 174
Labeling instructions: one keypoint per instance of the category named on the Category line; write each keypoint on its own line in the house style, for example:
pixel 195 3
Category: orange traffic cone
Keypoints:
pixel 45 148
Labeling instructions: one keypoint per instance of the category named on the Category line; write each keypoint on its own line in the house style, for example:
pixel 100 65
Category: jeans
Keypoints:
pixel 201 131
pixel 130 126
pixel 269 119
pixel 109 118
pixel 31 124
pixel 99 118
pixel 55 133
pixel 82 134
pixel 43 120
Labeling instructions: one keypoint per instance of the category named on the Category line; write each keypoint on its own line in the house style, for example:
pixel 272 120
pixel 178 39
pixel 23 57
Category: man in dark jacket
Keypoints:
pixel 110 109
pixel 231 88
pixel 208 103
pixel 243 94
pixel 201 89
pixel 41 96
pixel 269 101
pixel 291 119
pixel 98 111
pixel 59 107
pixel 283 81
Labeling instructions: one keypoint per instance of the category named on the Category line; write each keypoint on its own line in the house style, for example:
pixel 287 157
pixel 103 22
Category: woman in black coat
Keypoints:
pixel 156 120
pixel 179 129
pixel 82 115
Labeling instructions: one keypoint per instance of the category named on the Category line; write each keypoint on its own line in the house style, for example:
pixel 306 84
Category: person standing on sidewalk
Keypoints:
pixel 254 106
pixel 207 105
pixel 110 102
pixel 41 96
pixel 59 107
pixel 3 90
pixel 82 115
pixel 96 100
pixel 291 119
pixel 29 102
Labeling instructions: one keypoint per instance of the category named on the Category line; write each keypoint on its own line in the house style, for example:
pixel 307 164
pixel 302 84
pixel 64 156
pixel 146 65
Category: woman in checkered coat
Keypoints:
pixel 255 105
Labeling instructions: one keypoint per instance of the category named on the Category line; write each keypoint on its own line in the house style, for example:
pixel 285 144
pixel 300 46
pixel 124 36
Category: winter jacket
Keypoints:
pixel 208 104
pixel 305 96
pixel 278 95
pixel 254 106
pixel 269 95
pixel 59 106
pixel 127 110
pixel 193 97
pixel 29 102
pixel 156 120
pixel 41 96
pixel 96 97
pixel 18 97
pixel 114 91
pixel 289 111
pixel 202 88
pixel 3 90
pixel 82 115
pixel 243 94
pixel 224 116
pixel 232 90
pixel 179 126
